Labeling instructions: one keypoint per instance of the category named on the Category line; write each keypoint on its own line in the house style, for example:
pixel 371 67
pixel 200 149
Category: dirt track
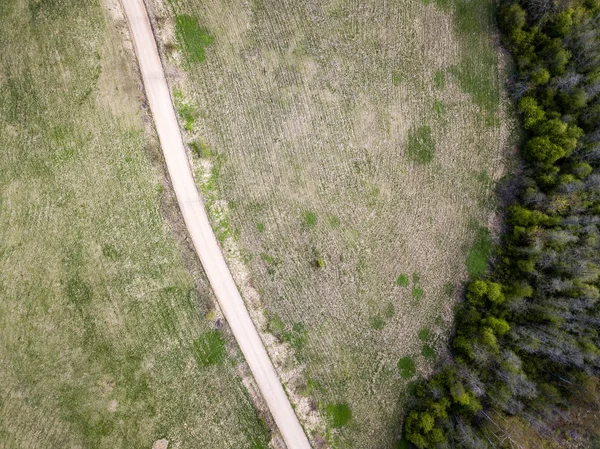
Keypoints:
pixel 200 230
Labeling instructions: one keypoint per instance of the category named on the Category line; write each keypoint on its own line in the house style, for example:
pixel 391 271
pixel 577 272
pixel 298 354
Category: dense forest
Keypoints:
pixel 527 334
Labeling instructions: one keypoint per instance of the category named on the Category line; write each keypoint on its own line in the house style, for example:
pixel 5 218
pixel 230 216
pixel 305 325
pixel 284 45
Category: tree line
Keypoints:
pixel 527 333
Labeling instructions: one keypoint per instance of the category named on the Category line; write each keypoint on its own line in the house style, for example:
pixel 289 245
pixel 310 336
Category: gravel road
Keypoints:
pixel 200 230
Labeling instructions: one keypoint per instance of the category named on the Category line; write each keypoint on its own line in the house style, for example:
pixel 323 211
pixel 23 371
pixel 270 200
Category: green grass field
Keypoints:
pixel 352 151
pixel 103 337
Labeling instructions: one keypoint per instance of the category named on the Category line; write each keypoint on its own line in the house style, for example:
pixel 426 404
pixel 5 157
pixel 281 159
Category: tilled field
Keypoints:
pixel 348 151
pixel 103 340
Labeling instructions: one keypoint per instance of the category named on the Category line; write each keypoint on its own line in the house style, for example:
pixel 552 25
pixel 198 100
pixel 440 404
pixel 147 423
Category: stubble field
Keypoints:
pixel 103 337
pixel 348 152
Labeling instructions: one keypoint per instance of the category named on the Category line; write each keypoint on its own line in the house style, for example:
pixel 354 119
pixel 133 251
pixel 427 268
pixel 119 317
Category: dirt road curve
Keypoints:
pixel 200 230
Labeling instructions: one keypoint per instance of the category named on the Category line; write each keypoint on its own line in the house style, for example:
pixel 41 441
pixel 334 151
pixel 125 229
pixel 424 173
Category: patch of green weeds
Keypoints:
pixel 377 322
pixel 338 415
pixel 110 252
pixel 402 280
pixel 312 386
pixel 438 107
pixel 333 221
pixel 209 349
pixel 185 110
pixel 297 337
pixel 417 293
pixel 424 334
pixel 449 288
pixel 268 259
pixel 192 38
pixel 78 292
pixel 260 227
pixel 318 262
pixel 406 366
pixel 442 4
pixel 477 71
pixel 439 79
pixel 420 147
pixel 275 325
pixel 478 255
pixel 428 352
pixel 396 77
pixel 402 444
pixel 200 148
pixel 389 311
pixel 310 219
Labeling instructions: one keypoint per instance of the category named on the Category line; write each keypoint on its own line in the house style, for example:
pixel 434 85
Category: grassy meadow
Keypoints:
pixel 348 151
pixel 103 337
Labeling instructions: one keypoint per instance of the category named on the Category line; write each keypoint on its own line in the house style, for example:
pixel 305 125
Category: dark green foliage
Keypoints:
pixel 338 415
pixel 527 333
pixel 209 349
pixel 192 38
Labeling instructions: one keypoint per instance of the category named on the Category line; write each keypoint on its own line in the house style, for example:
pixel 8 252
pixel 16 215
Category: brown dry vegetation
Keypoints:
pixel 307 111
